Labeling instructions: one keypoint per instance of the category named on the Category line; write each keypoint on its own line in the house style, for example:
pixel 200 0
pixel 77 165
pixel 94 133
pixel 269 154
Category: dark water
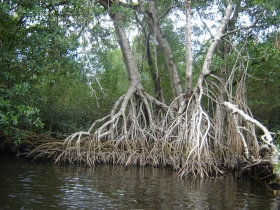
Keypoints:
pixel 45 186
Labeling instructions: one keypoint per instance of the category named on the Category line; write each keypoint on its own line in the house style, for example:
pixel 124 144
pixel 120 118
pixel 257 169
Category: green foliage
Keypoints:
pixel 17 112
pixel 276 166
pixel 277 140
pixel 263 85
pixel 61 69
pixel 113 80
pixel 66 105
pixel 37 46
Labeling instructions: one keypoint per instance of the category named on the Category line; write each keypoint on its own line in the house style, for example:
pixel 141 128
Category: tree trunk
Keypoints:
pixel 152 21
pixel 189 58
pixel 154 72
pixel 208 60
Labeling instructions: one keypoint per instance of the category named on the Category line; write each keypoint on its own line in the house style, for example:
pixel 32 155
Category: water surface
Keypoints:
pixel 46 186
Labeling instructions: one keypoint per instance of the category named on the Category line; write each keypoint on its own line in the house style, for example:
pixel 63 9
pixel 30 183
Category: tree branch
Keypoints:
pixel 267 135
pixel 217 39
pixel 166 12
pixel 204 23
pixel 245 27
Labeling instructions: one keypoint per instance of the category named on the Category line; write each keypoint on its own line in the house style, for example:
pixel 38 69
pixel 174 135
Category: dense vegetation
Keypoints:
pixel 64 65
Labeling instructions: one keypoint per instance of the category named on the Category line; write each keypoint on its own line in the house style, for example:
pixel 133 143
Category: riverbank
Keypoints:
pixel 137 153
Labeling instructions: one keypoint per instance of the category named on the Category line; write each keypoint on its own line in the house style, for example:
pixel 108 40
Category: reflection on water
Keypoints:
pixel 45 186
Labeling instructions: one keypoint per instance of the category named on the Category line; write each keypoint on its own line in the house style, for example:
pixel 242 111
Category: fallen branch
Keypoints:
pixel 267 137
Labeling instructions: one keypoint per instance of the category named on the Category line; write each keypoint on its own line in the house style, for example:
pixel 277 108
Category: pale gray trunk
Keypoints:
pixel 209 56
pixel 152 20
pixel 189 59
pixel 133 75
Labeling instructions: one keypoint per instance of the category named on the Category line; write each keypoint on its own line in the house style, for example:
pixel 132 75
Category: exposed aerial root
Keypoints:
pixel 125 136
pixel 142 131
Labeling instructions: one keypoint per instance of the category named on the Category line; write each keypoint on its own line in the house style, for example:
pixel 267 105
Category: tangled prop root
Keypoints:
pixel 142 131
pixel 128 135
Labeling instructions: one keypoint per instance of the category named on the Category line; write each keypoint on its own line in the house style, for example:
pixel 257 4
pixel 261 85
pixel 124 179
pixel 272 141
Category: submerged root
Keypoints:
pixel 260 169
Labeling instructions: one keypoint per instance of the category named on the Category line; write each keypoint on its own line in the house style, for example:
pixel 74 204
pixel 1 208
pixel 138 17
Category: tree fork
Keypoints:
pixel 152 21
